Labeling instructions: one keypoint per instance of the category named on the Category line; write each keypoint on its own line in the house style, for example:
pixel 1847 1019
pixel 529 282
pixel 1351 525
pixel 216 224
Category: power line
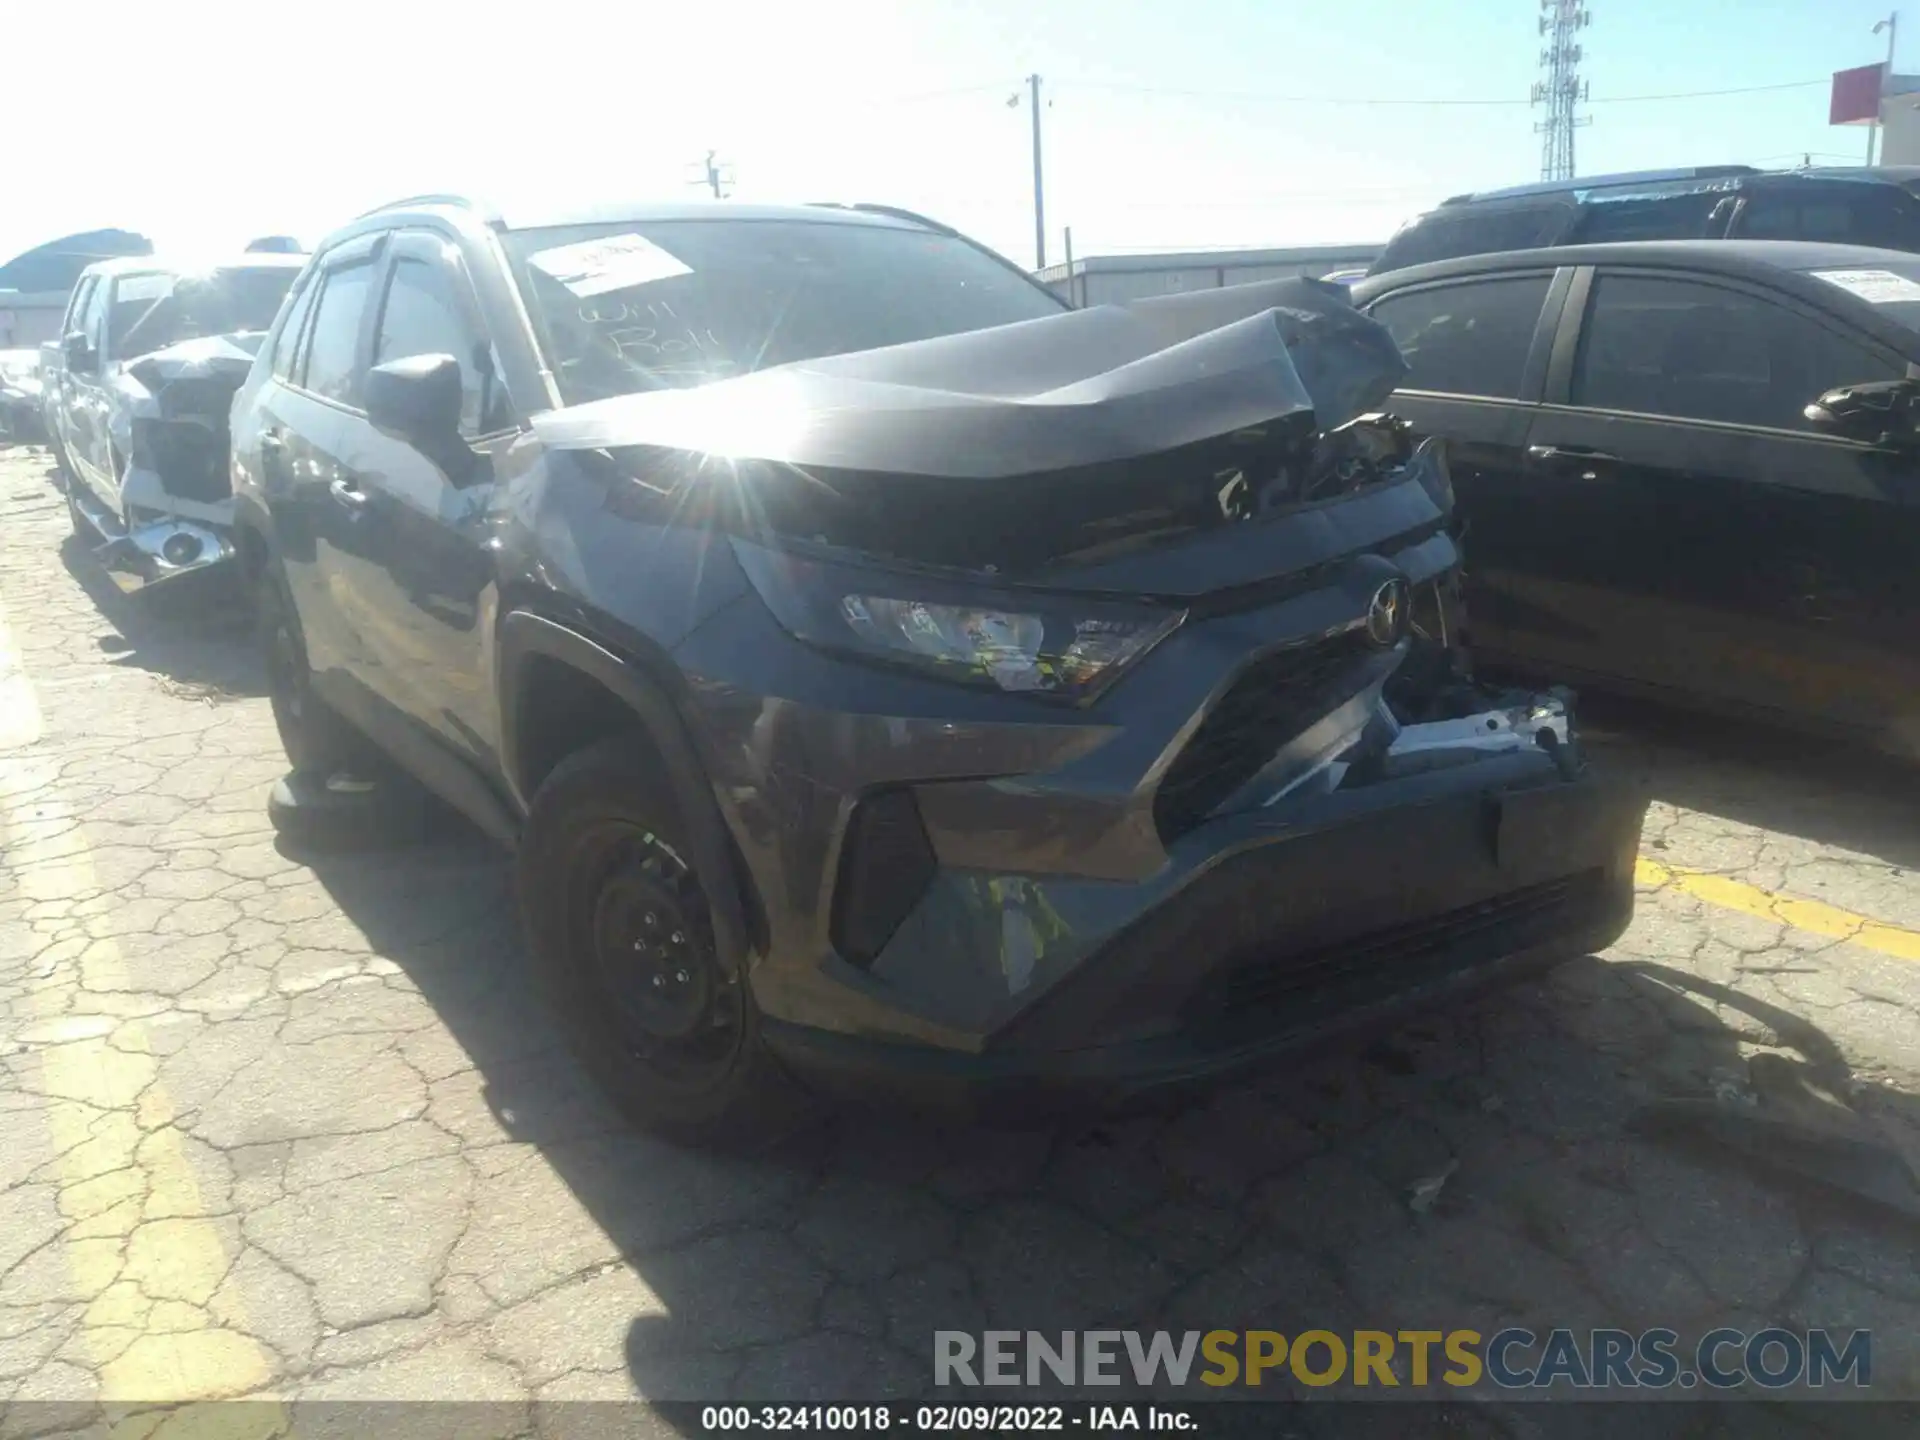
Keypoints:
pixel 1268 98
pixel 1709 94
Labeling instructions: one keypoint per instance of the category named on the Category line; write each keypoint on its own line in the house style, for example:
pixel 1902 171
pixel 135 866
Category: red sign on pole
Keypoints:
pixel 1856 96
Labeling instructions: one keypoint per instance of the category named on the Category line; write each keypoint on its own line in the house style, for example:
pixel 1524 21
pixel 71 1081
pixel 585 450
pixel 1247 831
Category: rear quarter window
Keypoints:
pixel 1848 214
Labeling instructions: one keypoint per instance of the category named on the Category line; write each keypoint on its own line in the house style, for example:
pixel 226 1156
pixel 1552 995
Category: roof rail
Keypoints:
pixel 1601 182
pixel 431 199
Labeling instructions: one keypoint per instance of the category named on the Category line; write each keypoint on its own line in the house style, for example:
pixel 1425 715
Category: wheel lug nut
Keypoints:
pixel 658 981
pixel 678 938
pixel 681 976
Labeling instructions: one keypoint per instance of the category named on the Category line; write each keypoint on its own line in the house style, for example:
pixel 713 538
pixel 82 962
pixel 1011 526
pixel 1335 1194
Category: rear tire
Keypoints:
pixel 620 926
pixel 314 736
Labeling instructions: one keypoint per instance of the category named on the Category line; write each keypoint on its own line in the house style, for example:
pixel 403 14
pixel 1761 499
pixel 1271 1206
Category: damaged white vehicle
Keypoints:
pixel 139 392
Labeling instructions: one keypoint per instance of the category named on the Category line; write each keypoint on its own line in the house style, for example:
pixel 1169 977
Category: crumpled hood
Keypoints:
pixel 1081 388
pixel 211 357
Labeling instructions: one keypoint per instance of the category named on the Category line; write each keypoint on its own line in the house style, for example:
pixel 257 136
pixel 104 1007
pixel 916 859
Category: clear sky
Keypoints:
pixel 1169 123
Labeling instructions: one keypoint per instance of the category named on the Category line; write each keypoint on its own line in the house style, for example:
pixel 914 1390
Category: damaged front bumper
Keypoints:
pixel 160 544
pixel 1108 916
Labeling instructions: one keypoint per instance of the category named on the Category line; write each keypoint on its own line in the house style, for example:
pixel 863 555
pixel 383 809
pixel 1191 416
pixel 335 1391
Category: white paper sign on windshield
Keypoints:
pixel 145 286
pixel 1878 287
pixel 613 262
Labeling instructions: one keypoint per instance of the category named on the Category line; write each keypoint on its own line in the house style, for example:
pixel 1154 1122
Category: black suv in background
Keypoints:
pixel 886 671
pixel 1847 206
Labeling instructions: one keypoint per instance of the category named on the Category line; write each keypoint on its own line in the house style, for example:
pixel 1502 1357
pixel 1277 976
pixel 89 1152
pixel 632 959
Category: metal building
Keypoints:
pixel 1106 279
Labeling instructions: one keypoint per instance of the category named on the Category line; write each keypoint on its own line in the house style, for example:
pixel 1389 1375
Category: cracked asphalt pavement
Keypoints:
pixel 293 1126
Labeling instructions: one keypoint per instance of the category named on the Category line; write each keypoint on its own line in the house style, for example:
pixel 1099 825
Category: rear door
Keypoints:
pixel 1693 533
pixel 1477 350
pixel 313 439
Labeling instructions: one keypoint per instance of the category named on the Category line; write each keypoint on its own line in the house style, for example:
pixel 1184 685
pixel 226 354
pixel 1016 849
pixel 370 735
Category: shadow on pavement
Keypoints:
pixel 1830 792
pixel 820 1268
pixel 195 633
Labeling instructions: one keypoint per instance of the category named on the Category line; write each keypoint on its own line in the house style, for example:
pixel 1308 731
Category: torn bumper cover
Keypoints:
pixel 175 506
pixel 1103 725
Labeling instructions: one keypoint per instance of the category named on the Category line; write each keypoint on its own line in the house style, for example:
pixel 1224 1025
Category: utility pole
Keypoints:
pixel 714 176
pixel 1562 89
pixel 1039 192
pixel 1891 25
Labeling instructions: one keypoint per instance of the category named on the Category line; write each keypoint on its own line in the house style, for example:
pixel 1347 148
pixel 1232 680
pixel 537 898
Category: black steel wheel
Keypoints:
pixel 678 1013
pixel 621 925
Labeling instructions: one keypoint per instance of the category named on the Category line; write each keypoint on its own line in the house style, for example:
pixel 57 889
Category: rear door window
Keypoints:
pixel 1658 345
pixel 1470 338
pixel 333 350
pixel 1652 217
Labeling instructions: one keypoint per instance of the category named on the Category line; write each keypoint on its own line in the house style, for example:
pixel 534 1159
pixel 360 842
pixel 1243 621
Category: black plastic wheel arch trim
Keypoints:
pixel 524 635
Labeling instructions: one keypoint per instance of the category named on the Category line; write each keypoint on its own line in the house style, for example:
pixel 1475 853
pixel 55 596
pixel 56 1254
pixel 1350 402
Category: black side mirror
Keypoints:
pixel 416 399
pixel 1878 412
pixel 80 357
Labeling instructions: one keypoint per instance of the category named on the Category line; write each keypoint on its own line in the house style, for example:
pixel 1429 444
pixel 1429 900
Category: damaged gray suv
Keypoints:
pixel 889 679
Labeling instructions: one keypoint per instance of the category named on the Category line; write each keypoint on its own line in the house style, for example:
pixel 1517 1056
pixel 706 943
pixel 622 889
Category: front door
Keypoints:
pixel 312 441
pixel 1693 533
pixel 56 382
pixel 423 569
pixel 87 409
pixel 1477 351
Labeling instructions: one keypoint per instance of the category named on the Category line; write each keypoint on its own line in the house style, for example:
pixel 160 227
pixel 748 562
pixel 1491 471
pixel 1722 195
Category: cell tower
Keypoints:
pixel 1561 22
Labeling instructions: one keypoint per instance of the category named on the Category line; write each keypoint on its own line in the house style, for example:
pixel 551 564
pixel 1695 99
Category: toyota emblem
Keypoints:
pixel 1388 614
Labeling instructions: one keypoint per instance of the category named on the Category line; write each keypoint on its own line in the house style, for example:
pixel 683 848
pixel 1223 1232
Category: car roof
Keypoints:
pixel 1732 176
pixel 554 214
pixel 148 264
pixel 1542 188
pixel 1732 256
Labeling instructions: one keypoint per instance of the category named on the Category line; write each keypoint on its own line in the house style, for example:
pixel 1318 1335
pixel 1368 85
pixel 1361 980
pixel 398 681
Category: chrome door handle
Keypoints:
pixel 1570 454
pixel 343 491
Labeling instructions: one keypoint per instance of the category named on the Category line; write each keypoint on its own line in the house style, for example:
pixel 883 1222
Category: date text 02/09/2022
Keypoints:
pixel 940 1419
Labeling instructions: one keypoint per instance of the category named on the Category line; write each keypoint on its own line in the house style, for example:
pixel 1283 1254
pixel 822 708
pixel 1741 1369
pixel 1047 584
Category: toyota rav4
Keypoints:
pixel 888 677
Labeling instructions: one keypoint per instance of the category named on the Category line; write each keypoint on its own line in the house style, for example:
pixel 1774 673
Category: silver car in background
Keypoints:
pixel 144 377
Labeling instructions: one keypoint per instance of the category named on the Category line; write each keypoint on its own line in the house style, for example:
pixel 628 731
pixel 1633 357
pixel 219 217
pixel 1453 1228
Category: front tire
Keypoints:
pixel 620 925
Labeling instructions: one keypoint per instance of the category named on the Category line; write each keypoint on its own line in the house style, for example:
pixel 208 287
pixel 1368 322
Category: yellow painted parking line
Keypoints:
pixel 1813 916
pixel 140 1245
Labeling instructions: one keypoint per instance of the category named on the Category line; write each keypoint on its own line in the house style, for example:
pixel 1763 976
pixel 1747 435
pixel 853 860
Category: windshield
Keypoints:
pixel 626 307
pixel 1892 287
pixel 156 309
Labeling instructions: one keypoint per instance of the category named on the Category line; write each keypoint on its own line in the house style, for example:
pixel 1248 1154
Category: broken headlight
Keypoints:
pixel 1034 642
